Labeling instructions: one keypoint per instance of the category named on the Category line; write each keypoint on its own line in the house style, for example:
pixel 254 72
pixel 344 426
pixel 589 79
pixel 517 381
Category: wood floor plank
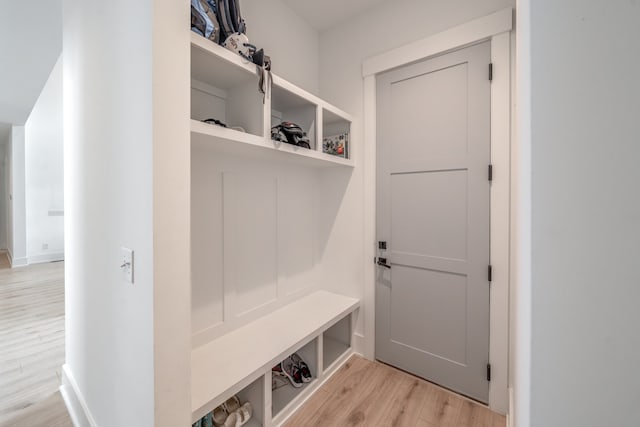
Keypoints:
pixel 32 338
pixel 364 393
pixel 49 412
pixel 371 406
pixel 305 415
pixel 444 410
pixel 498 420
pixel 4 260
pixel 357 381
pixel 407 403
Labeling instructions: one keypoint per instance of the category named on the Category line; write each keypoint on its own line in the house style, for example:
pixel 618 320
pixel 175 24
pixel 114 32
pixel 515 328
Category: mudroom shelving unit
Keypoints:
pixel 262 213
pixel 224 87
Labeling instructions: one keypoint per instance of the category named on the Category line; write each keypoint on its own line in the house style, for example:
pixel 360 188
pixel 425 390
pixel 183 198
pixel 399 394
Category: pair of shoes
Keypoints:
pixel 278 378
pixel 292 372
pixel 289 371
pixel 305 372
pixel 294 369
pixel 231 413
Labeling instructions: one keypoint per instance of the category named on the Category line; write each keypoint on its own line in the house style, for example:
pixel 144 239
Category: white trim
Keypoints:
pixel 495 27
pixel 510 417
pixel 358 341
pixel 42 258
pixel 369 199
pixel 500 221
pixel 522 287
pixel 472 32
pixel 73 399
pixel 17 262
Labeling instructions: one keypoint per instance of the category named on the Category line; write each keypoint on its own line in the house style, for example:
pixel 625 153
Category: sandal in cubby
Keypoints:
pixel 232 404
pixel 220 416
pixel 240 416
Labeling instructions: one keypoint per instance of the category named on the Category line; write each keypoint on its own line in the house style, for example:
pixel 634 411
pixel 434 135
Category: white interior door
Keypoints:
pixel 432 304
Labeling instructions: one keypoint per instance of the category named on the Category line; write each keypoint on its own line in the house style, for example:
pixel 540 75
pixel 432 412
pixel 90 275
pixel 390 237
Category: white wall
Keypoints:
pixel 292 44
pixel 108 157
pixel 585 105
pixel 171 214
pixel 4 193
pixel 342 51
pixel 126 122
pixel 8 186
pixel 44 181
pixel 17 202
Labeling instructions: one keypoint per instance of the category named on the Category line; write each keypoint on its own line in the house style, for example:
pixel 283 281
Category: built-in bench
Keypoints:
pixel 317 326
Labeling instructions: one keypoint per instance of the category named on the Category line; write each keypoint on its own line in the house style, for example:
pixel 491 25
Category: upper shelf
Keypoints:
pixel 231 362
pixel 217 66
pixel 236 142
pixel 222 69
pixel 232 70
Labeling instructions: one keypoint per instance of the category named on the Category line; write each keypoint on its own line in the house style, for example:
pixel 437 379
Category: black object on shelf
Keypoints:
pixel 215 122
pixel 290 133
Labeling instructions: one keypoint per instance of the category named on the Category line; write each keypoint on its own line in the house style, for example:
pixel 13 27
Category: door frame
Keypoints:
pixel 496 28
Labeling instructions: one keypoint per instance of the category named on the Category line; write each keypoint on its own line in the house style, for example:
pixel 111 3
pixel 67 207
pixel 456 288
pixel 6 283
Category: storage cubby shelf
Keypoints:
pixel 223 74
pixel 217 66
pixel 230 363
pixel 290 87
pixel 236 142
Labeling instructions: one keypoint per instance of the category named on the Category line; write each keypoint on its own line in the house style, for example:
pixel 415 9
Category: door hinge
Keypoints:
pixel 490 72
pixel 490 173
pixel 490 273
pixel 488 372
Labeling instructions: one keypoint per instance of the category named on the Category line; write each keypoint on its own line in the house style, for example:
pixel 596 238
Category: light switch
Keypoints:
pixel 126 265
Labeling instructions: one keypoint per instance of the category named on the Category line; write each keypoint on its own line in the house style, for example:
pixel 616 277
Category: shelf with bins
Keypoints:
pixel 240 362
pixel 224 87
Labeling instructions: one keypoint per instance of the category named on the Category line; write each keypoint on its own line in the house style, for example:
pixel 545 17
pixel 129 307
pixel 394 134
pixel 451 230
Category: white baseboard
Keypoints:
pixel 510 420
pixel 73 399
pixel 42 258
pixel 17 262
pixel 358 343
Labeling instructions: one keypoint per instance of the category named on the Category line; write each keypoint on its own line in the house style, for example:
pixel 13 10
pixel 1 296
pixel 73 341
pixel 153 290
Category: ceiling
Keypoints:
pixel 30 44
pixel 325 14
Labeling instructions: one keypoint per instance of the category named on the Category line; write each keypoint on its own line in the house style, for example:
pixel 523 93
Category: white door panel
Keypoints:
pixel 432 305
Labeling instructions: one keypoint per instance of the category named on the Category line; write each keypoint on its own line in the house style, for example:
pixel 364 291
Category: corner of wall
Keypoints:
pixel 74 400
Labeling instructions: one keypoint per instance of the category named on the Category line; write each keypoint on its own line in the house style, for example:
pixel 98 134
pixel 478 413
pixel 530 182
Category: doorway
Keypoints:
pixel 433 219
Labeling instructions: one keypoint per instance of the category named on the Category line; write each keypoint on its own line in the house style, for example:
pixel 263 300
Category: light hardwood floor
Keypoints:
pixel 371 394
pixel 50 412
pixel 31 336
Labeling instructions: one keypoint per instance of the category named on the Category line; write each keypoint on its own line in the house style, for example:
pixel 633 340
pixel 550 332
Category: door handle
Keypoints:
pixel 382 262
